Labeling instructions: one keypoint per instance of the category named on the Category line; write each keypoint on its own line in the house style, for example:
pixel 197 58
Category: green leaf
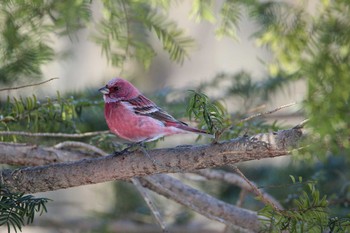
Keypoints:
pixel 293 178
pixel 230 15
pixel 203 9
pixel 173 39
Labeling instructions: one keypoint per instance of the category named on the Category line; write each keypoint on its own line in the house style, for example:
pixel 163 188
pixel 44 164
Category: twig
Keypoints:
pixel 301 124
pixel 242 195
pixel 81 145
pixel 254 116
pixel 265 113
pixel 256 190
pixel 29 85
pixel 54 135
pixel 149 203
pixel 235 179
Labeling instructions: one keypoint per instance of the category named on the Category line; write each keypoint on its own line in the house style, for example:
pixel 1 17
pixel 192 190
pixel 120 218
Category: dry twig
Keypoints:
pixel 29 85
pixel 255 116
pixel 71 144
pixel 266 113
pixel 257 191
pixel 53 135
pixel 235 179
pixel 150 204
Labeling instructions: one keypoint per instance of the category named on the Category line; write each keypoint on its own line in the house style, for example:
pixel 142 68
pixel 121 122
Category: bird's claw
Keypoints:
pixel 121 152
pixel 130 147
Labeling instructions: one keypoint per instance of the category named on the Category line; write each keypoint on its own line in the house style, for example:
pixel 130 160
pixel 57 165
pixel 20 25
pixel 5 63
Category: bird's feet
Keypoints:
pixel 127 148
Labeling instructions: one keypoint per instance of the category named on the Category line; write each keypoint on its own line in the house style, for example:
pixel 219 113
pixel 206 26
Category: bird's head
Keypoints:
pixel 118 89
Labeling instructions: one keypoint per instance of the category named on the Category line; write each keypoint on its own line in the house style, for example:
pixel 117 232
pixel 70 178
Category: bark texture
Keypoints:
pixel 49 170
pixel 202 203
pixel 136 164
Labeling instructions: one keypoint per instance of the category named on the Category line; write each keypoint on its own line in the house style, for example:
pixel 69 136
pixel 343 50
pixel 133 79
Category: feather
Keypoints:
pixel 143 106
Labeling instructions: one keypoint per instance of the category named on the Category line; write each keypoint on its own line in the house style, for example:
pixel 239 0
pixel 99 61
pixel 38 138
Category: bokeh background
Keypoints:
pixel 248 61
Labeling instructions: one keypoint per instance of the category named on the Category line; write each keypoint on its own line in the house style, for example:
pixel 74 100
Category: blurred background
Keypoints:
pixel 246 56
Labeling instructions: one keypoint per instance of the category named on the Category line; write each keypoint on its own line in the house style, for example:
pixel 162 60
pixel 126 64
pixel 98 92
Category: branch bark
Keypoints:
pixel 136 164
pixel 94 224
pixel 202 203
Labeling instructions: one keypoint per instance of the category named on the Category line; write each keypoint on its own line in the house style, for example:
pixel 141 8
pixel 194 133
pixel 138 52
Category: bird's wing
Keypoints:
pixel 143 106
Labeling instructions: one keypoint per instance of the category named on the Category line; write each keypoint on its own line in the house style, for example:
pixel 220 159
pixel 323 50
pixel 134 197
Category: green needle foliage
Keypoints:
pixel 25 30
pixel 52 114
pixel 212 116
pixel 124 31
pixel 308 46
pixel 230 15
pixel 315 48
pixel 203 10
pixel 16 210
pixel 27 27
pixel 309 214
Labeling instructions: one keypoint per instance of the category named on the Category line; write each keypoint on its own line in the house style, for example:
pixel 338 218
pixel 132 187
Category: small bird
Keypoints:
pixel 135 118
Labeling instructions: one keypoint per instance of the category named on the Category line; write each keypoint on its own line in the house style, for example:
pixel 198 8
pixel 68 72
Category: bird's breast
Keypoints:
pixel 124 122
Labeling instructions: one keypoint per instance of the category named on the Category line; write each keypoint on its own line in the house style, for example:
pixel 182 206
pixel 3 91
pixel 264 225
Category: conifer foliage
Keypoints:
pixel 307 46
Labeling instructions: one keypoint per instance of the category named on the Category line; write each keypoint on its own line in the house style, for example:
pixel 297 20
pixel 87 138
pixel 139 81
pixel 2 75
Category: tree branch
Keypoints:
pixel 265 199
pixel 149 202
pixel 54 135
pixel 235 179
pixel 20 154
pixel 136 164
pixel 202 202
pixel 266 113
pixel 29 85
pixel 93 224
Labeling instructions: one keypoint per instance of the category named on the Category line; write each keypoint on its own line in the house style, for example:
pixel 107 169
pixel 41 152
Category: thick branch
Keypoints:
pixel 136 164
pixel 113 226
pixel 33 155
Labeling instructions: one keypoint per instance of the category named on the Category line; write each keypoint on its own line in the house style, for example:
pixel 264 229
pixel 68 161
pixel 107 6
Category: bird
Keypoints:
pixel 135 118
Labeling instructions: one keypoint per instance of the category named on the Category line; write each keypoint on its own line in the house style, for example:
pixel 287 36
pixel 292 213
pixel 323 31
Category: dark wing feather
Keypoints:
pixel 143 106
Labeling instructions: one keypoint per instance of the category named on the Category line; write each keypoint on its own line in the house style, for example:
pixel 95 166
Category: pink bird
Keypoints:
pixel 133 117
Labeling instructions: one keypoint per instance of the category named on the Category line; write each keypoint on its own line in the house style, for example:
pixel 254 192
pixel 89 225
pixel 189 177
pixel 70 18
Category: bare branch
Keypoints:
pixel 235 179
pixel 266 113
pixel 136 164
pixel 93 224
pixel 301 124
pixel 53 135
pixel 260 194
pixel 255 116
pixel 242 195
pixel 33 155
pixel 72 144
pixel 29 85
pixel 133 164
pixel 150 204
pixel 202 202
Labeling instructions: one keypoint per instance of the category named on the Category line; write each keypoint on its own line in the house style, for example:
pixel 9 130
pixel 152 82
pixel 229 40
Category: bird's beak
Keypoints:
pixel 104 90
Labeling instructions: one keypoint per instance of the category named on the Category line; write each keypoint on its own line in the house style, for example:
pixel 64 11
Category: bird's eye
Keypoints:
pixel 115 88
